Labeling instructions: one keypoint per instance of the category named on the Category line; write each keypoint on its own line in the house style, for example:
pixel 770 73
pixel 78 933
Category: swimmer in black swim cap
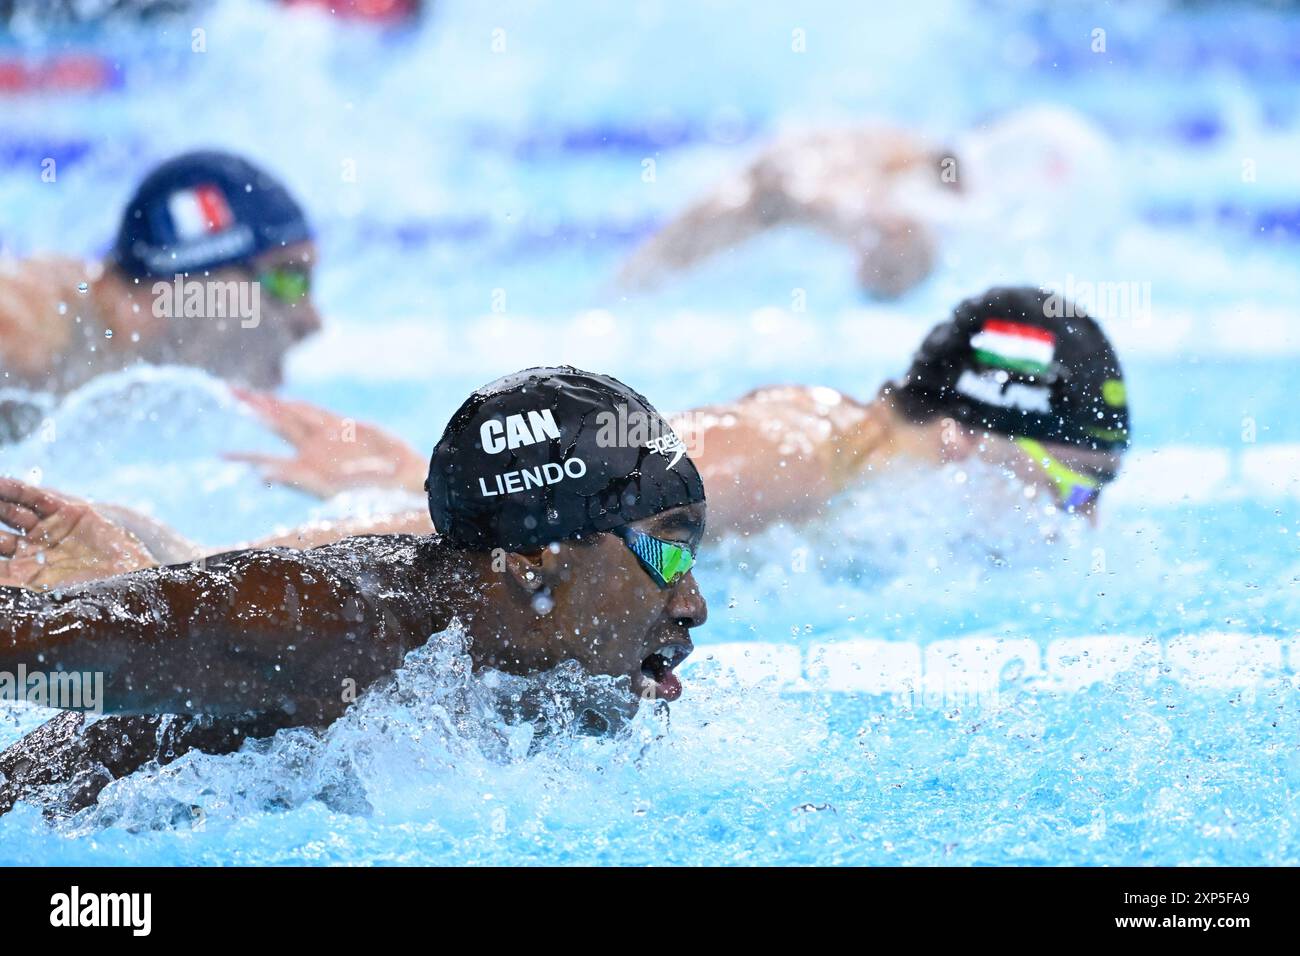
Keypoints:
pixel 212 267
pixel 572 518
pixel 1018 377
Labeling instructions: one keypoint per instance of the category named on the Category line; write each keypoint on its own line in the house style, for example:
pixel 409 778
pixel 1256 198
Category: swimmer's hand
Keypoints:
pixel 333 453
pixel 58 540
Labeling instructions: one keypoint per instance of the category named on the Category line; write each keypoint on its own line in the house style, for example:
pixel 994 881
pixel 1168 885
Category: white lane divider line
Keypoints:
pixel 865 667
pixel 969 666
pixel 1076 663
pixel 972 666
pixel 1170 474
pixel 1223 660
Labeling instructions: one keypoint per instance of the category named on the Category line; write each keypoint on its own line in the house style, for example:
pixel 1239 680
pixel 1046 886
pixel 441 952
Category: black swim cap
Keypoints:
pixel 1023 362
pixel 205 210
pixel 546 454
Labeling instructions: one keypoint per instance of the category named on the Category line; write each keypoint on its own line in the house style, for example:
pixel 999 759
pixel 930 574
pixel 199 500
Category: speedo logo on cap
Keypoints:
pixel 668 444
pixel 632 428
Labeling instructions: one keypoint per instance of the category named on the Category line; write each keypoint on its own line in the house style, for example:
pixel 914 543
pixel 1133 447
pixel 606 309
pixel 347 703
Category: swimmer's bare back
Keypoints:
pixel 34 331
pixel 776 454
pixel 52 333
pixel 263 632
pixel 241 645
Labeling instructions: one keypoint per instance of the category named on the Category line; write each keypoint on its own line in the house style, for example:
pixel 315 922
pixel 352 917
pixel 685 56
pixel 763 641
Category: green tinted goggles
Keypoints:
pixel 286 284
pixel 665 561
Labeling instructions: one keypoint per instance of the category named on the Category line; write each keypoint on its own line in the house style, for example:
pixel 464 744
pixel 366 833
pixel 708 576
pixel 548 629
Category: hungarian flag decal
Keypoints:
pixel 1026 349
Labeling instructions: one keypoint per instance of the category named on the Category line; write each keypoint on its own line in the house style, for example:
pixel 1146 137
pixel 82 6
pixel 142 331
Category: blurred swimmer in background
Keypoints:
pixel 890 195
pixel 1018 378
pixel 212 268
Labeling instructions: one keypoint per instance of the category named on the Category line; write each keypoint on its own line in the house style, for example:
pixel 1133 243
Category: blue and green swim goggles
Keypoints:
pixel 1073 488
pixel 667 562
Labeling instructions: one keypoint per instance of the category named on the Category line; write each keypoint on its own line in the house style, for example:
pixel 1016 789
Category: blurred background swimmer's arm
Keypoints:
pixel 332 453
pixel 252 632
pixel 58 540
pixel 729 216
pixel 776 454
pixel 38 303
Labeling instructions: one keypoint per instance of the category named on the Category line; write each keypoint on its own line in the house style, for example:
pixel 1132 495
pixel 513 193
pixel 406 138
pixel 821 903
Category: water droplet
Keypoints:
pixel 63 308
pixel 543 603
pixel 108 333
pixel 83 288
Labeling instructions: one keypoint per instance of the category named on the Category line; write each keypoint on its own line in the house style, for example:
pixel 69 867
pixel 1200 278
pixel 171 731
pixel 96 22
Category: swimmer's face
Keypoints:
pixel 1100 467
pixel 270 312
pixel 592 601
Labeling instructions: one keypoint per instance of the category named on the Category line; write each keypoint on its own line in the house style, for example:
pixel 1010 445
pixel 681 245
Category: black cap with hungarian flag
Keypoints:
pixel 1023 362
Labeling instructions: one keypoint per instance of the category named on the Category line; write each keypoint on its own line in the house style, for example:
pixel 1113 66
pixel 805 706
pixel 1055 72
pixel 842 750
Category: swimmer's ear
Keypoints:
pixel 525 570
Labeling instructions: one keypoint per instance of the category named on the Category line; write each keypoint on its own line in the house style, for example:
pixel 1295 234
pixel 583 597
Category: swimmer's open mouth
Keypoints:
pixel 657 669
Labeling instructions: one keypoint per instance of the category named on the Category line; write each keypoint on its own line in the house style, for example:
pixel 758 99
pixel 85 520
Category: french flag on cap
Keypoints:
pixel 200 211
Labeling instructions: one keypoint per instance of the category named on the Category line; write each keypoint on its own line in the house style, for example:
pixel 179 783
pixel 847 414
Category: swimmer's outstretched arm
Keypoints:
pixel 779 453
pixel 775 454
pixel 251 632
pixel 58 540
pixel 719 221
pixel 331 453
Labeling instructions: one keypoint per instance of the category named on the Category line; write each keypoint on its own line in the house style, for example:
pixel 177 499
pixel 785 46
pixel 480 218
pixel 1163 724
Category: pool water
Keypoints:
pixel 936 672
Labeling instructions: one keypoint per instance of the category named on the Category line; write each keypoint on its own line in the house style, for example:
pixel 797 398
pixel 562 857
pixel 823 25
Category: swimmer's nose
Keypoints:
pixel 304 320
pixel 688 606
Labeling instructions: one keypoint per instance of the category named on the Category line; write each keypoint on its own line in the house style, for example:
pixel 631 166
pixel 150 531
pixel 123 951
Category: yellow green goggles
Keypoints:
pixel 665 561
pixel 1073 488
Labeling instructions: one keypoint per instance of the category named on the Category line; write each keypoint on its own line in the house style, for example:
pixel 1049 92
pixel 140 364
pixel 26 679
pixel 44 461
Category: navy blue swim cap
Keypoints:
pixel 204 210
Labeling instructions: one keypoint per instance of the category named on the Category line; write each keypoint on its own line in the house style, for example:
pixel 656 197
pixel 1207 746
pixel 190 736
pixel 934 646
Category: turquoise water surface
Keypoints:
pixel 933 674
